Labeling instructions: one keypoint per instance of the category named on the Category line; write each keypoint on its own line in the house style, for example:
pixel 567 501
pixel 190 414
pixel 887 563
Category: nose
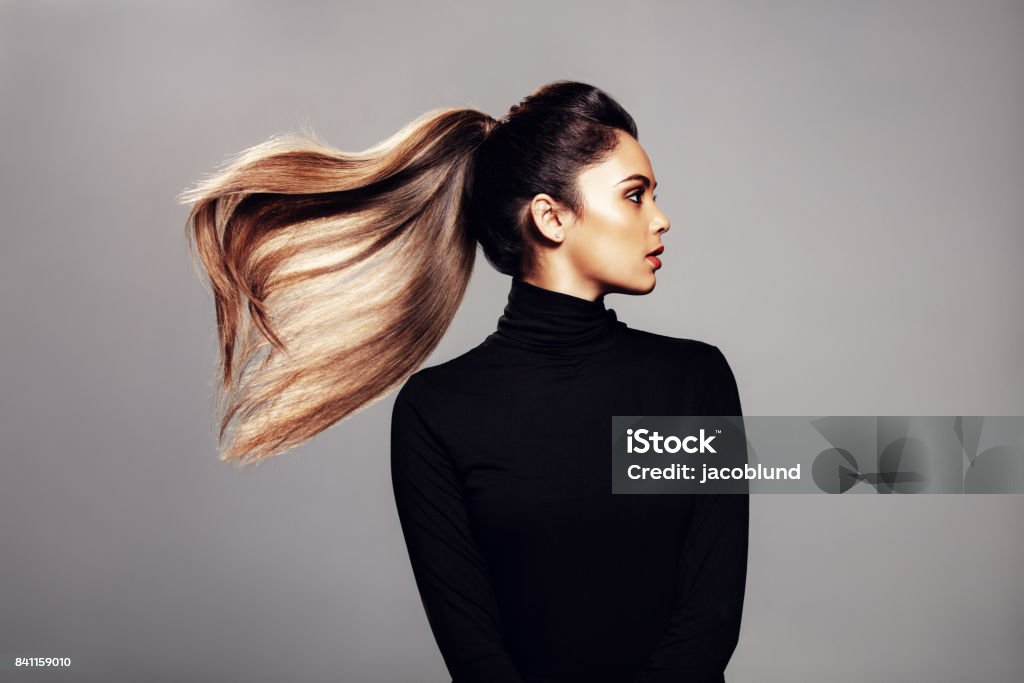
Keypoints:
pixel 661 223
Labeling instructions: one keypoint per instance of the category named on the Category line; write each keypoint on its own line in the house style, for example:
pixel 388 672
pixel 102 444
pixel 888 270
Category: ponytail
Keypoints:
pixel 334 274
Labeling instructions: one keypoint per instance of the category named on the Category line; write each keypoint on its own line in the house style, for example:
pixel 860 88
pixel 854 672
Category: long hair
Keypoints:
pixel 335 274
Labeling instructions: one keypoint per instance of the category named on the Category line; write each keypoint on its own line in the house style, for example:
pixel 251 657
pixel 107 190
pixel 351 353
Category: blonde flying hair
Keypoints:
pixel 335 274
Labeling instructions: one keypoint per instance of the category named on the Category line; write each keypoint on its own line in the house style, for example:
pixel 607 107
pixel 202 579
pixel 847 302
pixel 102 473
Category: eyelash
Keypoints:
pixel 640 193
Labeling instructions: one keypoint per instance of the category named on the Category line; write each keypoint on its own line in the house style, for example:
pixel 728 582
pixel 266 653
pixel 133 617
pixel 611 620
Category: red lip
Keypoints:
pixel 653 259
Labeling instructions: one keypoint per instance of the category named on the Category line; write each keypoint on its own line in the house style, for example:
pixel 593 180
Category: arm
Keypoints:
pixel 704 627
pixel 450 572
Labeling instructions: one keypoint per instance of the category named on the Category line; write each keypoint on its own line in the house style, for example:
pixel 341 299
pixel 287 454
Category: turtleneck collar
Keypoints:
pixel 554 322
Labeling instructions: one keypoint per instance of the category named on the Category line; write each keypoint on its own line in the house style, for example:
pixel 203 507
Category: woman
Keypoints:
pixel 528 567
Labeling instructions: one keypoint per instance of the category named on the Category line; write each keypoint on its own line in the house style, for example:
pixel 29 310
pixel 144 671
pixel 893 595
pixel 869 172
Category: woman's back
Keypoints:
pixel 528 566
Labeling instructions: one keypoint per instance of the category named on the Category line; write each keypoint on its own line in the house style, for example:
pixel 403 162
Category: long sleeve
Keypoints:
pixel 704 627
pixel 450 572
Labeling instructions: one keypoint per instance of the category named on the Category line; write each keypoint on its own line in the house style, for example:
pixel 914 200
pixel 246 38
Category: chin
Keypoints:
pixel 640 286
pixel 650 281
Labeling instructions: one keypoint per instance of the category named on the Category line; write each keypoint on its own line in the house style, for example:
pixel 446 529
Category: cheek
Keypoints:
pixel 611 252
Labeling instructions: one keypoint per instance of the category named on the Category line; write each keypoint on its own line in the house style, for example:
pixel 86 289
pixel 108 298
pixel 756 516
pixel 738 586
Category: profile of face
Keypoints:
pixel 607 249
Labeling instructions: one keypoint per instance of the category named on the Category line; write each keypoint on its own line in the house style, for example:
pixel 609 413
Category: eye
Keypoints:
pixel 639 193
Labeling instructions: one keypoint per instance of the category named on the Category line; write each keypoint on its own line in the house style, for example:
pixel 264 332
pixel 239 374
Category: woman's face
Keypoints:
pixel 606 250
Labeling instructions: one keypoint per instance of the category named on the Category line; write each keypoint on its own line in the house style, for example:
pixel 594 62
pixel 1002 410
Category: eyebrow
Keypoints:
pixel 641 177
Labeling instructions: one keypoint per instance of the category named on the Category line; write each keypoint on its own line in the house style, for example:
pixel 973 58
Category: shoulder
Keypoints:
pixel 430 385
pixel 692 355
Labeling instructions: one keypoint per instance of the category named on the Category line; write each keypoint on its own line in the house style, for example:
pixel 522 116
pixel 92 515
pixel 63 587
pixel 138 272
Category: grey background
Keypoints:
pixel 844 184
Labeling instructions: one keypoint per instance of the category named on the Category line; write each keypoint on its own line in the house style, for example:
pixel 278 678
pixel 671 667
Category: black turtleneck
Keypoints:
pixel 529 568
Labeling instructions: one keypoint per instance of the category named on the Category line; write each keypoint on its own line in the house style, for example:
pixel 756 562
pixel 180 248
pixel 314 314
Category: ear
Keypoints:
pixel 550 217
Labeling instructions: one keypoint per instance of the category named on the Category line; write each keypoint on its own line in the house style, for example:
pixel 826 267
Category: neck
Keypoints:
pixel 565 284
pixel 555 322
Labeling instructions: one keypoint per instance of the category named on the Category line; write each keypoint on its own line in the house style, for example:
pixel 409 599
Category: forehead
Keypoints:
pixel 628 158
